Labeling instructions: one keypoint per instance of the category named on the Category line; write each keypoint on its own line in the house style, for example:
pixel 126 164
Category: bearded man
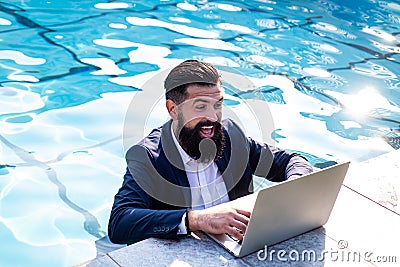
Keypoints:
pixel 180 172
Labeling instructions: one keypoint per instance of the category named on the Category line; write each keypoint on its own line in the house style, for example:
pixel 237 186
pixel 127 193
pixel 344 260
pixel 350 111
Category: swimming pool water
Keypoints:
pixel 328 70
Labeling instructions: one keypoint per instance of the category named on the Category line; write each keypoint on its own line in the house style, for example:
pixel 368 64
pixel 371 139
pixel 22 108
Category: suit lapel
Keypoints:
pixel 172 154
pixel 234 162
pixel 226 175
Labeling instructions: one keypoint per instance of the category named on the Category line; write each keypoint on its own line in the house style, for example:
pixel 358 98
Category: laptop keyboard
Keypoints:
pixel 235 239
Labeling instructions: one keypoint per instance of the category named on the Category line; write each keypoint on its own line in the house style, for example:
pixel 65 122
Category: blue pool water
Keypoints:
pixel 69 70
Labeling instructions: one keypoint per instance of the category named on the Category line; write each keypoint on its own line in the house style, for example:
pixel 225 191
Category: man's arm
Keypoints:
pixel 297 166
pixel 133 218
pixel 276 164
pixel 136 214
pixel 220 220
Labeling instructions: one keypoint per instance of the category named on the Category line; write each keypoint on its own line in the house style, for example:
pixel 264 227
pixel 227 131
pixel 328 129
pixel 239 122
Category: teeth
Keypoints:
pixel 207 127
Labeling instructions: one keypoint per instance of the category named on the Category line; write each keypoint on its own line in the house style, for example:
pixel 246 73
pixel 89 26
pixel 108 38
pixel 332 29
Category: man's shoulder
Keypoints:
pixel 149 144
pixel 232 127
pixel 153 138
pixel 229 123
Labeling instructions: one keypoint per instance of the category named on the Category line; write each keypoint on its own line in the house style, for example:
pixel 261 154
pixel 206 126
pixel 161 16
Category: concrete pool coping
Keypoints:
pixel 363 230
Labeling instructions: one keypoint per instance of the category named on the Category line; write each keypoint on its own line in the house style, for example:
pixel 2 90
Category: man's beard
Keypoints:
pixel 198 147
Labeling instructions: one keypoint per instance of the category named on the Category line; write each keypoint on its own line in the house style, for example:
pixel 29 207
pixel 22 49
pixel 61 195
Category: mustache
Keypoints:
pixel 206 123
pixel 190 140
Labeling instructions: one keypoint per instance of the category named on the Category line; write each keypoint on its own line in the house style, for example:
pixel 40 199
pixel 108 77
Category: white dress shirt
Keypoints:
pixel 207 186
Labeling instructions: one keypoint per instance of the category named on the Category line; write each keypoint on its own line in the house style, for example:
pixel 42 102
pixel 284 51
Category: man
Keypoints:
pixel 180 172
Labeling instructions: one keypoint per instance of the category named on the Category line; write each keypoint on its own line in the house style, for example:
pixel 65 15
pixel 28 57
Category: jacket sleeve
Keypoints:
pixel 134 216
pixel 276 164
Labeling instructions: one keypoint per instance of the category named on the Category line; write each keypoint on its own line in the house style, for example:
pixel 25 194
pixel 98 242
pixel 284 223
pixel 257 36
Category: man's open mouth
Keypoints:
pixel 207 131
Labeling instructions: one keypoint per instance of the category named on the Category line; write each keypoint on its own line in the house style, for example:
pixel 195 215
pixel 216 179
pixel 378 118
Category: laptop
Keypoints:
pixel 285 210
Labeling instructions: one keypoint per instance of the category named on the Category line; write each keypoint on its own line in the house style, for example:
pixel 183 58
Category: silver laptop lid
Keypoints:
pixel 292 207
pixel 287 209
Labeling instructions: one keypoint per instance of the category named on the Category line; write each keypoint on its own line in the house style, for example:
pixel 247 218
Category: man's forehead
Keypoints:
pixel 198 91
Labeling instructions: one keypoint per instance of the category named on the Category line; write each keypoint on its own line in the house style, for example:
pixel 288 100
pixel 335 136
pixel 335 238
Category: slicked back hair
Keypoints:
pixel 186 73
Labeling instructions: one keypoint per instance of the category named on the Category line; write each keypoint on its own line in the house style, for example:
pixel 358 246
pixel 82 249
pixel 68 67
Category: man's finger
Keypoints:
pixel 244 218
pixel 239 226
pixel 233 231
pixel 244 212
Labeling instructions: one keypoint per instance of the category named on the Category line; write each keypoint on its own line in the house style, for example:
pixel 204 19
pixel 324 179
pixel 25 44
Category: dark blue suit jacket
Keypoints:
pixel 155 192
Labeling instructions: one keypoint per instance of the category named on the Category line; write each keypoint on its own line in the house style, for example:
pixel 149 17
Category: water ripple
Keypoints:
pixel 91 225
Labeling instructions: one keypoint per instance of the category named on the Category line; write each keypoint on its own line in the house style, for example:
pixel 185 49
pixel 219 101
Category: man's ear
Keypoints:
pixel 172 109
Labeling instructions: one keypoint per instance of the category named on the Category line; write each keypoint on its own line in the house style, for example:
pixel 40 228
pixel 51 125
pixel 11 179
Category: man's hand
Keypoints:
pixel 220 220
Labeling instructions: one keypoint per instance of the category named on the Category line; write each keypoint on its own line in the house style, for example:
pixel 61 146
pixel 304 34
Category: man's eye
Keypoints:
pixel 218 105
pixel 200 107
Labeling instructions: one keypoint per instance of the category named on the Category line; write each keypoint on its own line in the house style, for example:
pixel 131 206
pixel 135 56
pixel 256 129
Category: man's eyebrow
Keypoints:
pixel 206 100
pixel 200 100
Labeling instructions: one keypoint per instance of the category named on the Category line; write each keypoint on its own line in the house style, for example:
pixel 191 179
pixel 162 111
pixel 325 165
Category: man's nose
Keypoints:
pixel 213 114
